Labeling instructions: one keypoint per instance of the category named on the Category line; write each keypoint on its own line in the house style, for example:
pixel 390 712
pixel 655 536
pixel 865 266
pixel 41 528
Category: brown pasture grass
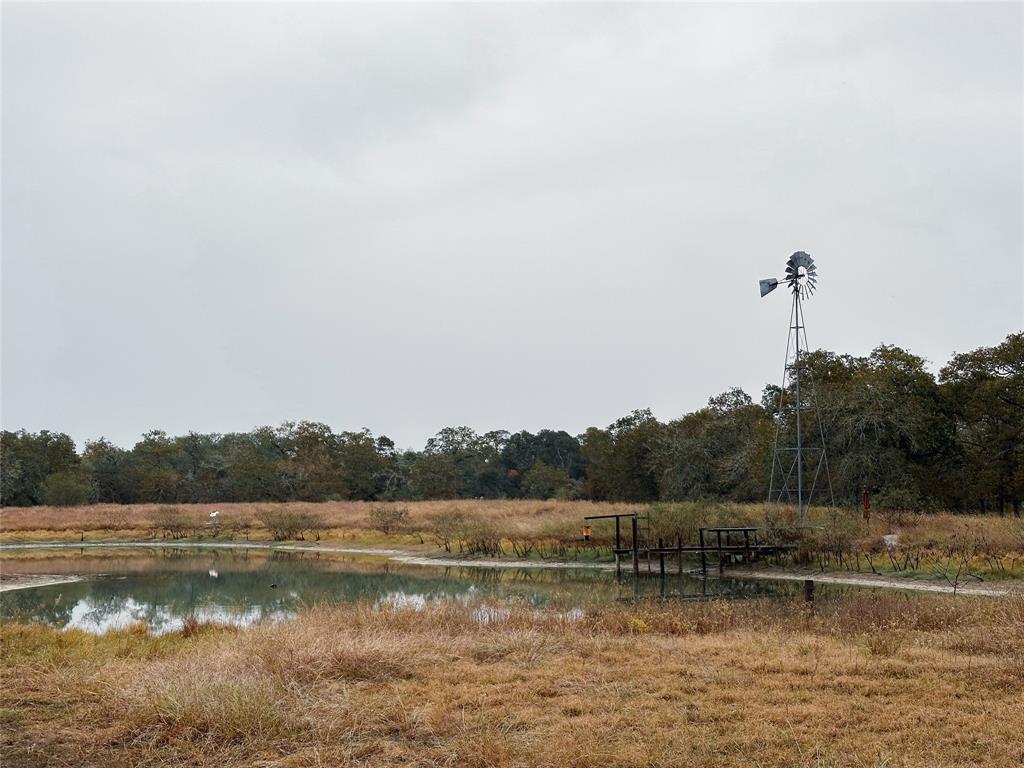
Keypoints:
pixel 872 680
pixel 510 516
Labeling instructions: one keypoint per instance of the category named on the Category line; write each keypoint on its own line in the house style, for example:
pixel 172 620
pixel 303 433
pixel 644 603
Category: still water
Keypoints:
pixel 161 586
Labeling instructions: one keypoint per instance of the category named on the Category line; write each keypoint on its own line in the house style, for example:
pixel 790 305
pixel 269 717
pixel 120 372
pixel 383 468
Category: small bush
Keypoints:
pixel 447 526
pixel 638 626
pixel 236 525
pixel 480 537
pixel 288 525
pixel 885 642
pixel 388 519
pixel 172 522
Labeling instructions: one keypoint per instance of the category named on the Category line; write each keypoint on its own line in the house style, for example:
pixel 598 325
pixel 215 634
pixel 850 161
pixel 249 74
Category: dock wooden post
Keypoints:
pixel 636 550
pixel 661 557
pixel 721 563
pixel 618 546
pixel 703 555
pixel 679 546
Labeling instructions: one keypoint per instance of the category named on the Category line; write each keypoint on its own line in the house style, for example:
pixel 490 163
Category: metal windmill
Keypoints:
pixel 790 465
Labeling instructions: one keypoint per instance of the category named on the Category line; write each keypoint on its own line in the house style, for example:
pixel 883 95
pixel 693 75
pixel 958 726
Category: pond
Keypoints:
pixel 160 586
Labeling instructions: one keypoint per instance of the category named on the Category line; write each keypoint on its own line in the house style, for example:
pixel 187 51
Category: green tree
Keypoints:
pixel 256 466
pixel 621 461
pixel 154 462
pixel 476 458
pixel 107 468
pixel 720 451
pixel 28 458
pixel 523 450
pixel 885 423
pixel 64 489
pixel 315 461
pixel 598 449
pixel 201 466
pixel 985 389
pixel 364 471
pixel 545 482
pixel 435 476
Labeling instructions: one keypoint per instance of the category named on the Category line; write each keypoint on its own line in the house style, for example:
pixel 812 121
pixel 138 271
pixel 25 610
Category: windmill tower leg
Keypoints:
pixel 797 405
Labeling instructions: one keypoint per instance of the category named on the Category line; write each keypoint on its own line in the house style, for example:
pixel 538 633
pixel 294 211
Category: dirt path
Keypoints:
pixel 987 589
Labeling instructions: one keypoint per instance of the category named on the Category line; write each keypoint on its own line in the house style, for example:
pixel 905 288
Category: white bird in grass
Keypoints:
pixel 214 514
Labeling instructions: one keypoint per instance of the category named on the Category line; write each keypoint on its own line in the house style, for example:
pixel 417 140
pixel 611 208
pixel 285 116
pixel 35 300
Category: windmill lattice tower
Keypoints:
pixel 803 457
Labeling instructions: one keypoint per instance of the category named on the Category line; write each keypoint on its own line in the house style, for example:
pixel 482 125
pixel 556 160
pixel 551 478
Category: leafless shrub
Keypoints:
pixel 480 537
pixel 955 567
pixel 170 521
pixel 286 525
pixel 446 526
pixel 388 518
pixel 237 526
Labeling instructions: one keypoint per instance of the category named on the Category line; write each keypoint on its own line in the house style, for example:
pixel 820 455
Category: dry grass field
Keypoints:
pixel 868 679
pixel 511 516
pixel 871 680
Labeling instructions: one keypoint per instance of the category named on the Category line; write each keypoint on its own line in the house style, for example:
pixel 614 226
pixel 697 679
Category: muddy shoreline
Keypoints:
pixel 12 582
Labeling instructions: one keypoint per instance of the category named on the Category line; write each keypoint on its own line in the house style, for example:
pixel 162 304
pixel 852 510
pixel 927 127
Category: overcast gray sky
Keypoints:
pixel 217 216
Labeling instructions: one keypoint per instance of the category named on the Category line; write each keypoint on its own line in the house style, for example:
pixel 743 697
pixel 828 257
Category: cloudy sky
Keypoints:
pixel 217 216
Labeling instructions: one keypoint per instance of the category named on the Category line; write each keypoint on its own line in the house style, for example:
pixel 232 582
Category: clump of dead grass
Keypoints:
pixel 310 652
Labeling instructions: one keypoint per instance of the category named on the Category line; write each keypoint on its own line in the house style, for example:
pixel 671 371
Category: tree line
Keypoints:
pixel 914 440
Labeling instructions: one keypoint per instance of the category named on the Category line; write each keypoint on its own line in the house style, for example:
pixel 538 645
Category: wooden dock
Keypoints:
pixel 729 544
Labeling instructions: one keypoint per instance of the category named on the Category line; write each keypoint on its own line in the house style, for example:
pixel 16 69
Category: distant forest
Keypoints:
pixel 914 440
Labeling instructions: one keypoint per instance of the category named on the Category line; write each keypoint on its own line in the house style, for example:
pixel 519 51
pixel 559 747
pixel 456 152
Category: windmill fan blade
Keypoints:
pixel 767 286
pixel 800 259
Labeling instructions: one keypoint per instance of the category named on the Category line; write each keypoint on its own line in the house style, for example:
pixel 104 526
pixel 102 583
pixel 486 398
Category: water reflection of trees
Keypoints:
pixel 172 582
pixel 178 583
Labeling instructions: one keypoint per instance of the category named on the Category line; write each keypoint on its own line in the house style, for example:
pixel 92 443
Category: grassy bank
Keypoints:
pixel 869 681
pixel 938 545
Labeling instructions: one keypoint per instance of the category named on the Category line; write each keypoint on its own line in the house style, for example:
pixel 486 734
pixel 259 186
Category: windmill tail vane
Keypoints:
pixel 798 457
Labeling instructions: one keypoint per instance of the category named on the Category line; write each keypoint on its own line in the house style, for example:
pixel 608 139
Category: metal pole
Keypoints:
pixel 799 440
